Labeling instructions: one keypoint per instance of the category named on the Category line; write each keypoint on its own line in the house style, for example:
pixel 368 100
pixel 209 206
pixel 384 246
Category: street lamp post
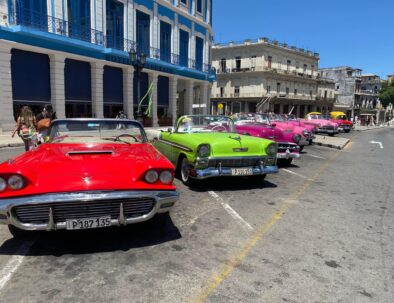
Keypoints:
pixel 138 61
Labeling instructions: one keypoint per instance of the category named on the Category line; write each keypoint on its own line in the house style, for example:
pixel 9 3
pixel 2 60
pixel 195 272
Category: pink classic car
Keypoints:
pixel 323 126
pixel 246 124
pixel 304 134
pixel 312 129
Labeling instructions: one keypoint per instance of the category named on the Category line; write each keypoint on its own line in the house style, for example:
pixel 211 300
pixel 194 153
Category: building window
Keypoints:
pixel 295 92
pixel 222 65
pixel 221 91
pixel 184 2
pixel 278 87
pixel 337 86
pixel 165 41
pixel 199 52
pixel 268 89
pixel 305 67
pixel 311 93
pixel 183 48
pixel 253 63
pixel 143 33
pixel 269 62
pixel 313 69
pixel 236 91
pixel 79 19
pixel 288 65
pixel 237 64
pixel 199 6
pixel 287 91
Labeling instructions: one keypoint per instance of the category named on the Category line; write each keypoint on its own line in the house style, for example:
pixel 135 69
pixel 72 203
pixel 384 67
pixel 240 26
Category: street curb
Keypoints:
pixel 367 129
pixel 11 145
pixel 332 145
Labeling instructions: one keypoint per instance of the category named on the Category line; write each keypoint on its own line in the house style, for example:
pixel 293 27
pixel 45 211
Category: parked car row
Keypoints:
pixel 95 173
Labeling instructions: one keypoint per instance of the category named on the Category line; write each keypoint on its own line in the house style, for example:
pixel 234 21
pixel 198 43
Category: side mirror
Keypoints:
pixel 170 129
pixel 155 139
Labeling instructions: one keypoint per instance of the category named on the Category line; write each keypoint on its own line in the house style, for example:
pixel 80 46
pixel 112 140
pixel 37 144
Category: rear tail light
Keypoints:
pixel 166 177
pixel 151 176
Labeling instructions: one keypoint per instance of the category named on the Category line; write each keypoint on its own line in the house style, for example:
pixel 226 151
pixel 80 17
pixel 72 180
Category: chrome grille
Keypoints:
pixel 62 211
pixel 235 162
pixel 328 127
pixel 282 147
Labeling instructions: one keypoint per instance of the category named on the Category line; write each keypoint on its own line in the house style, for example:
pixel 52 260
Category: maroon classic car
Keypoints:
pixel 246 124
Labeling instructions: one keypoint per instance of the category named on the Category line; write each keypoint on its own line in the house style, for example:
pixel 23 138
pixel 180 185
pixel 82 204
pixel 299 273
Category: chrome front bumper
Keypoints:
pixel 288 155
pixel 164 201
pixel 303 142
pixel 227 171
pixel 328 131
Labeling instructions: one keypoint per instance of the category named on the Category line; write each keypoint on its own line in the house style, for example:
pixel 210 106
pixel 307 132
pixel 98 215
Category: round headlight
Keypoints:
pixel 305 132
pixel 151 176
pixel 166 177
pixel 204 150
pixel 296 138
pixel 272 149
pixel 16 182
pixel 3 184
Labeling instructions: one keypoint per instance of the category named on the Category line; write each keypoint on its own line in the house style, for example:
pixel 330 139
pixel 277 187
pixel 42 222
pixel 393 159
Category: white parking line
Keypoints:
pixel 231 211
pixel 13 264
pixel 296 174
pixel 314 156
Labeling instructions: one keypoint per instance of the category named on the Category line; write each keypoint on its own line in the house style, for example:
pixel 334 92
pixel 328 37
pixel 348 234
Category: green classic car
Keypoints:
pixel 203 146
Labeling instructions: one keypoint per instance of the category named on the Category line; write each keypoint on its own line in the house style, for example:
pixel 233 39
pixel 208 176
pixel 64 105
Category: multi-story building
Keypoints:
pixel 356 93
pixel 76 55
pixel 264 75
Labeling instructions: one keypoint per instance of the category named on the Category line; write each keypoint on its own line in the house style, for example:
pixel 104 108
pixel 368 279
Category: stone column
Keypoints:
pixel 189 97
pixel 97 73
pixel 281 108
pixel 172 107
pixel 204 97
pixel 298 110
pixel 7 121
pixel 128 97
pixel 57 84
pixel 153 79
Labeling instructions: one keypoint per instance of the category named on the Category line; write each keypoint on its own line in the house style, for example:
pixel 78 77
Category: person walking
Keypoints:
pixel 44 120
pixel 26 128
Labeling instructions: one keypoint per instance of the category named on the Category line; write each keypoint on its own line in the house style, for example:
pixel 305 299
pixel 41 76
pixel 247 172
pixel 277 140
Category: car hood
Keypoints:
pixel 222 144
pixel 57 167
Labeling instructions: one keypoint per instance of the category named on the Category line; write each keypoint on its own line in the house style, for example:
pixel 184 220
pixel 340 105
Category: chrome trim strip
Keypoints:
pixel 182 147
pixel 226 171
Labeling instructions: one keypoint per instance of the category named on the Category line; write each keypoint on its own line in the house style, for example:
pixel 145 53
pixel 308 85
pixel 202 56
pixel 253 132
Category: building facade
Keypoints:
pixel 75 54
pixel 356 93
pixel 264 75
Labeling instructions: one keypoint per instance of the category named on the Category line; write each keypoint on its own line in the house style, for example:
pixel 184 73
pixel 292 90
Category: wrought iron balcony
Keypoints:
pixel 81 31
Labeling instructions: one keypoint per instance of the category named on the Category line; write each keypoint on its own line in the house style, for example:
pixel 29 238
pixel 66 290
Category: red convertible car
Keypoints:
pixel 92 173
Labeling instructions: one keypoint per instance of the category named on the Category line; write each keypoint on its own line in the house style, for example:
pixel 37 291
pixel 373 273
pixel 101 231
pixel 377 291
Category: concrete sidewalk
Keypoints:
pixel 332 142
pixel 364 128
pixel 7 141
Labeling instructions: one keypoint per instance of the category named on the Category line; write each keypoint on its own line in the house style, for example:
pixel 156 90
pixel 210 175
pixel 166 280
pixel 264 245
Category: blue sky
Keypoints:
pixel 356 33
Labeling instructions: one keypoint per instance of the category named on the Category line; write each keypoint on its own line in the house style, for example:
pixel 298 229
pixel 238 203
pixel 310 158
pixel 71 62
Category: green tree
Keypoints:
pixel 386 95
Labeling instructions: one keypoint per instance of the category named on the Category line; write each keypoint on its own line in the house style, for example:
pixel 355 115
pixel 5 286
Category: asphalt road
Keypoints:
pixel 319 231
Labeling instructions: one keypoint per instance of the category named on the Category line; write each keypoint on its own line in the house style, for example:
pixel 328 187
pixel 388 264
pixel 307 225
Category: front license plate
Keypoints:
pixel 241 171
pixel 88 223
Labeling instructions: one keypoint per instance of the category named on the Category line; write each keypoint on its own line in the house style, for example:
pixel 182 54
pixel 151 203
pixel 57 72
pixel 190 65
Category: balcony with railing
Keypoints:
pixel 30 20
pixel 266 68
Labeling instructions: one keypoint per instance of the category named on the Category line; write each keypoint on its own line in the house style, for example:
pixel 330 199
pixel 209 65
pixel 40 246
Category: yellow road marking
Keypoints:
pixel 236 259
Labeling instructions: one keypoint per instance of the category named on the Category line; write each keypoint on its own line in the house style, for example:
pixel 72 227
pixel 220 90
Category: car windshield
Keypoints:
pixel 243 118
pixel 263 118
pixel 341 117
pixel 314 117
pixel 205 123
pixel 96 131
pixel 291 117
pixel 326 117
pixel 277 117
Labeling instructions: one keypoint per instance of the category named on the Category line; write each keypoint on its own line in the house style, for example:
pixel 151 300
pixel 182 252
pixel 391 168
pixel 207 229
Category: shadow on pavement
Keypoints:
pixel 58 243
pixel 231 184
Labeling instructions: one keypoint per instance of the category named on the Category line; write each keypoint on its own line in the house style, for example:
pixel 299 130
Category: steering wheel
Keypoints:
pixel 125 135
pixel 219 127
